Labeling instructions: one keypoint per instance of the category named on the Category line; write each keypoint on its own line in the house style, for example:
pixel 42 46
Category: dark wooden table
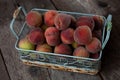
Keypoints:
pixel 11 68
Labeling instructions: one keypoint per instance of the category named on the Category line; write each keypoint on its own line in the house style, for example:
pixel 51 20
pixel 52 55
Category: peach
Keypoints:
pixel 75 45
pixel 62 21
pixel 98 22
pixel 82 35
pixel 67 36
pixel 85 20
pixel 97 33
pixel 49 17
pixel 25 44
pixel 44 48
pixel 36 36
pixel 73 22
pixel 94 46
pixel 94 56
pixel 34 19
pixel 52 36
pixel 63 49
pixel 81 52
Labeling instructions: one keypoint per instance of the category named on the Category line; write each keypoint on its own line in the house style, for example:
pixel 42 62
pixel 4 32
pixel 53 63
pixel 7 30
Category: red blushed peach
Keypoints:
pixel 94 46
pixel 82 35
pixel 97 33
pixel 44 48
pixel 73 22
pixel 67 36
pixel 81 52
pixel 49 17
pixel 52 36
pixel 62 21
pixel 34 19
pixel 98 23
pixel 85 20
pixel 36 36
pixel 63 49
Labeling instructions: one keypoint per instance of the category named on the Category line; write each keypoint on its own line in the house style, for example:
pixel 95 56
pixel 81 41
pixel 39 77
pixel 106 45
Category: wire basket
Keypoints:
pixel 58 61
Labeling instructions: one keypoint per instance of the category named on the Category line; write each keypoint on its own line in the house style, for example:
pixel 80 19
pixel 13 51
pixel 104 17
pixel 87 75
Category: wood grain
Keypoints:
pixel 83 6
pixel 16 69
pixel 111 54
pixel 5 9
pixel 3 72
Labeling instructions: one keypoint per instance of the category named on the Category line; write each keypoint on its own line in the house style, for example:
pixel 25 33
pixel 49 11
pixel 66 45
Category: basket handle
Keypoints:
pixel 109 27
pixel 15 14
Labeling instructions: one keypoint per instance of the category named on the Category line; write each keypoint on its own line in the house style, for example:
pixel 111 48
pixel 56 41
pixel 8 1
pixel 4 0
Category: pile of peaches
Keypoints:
pixel 61 33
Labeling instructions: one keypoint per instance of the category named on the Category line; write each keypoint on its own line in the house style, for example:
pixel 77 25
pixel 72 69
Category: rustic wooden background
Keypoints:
pixel 11 68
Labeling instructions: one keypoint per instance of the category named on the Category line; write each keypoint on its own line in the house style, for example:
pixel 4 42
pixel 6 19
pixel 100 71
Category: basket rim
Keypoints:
pixel 78 13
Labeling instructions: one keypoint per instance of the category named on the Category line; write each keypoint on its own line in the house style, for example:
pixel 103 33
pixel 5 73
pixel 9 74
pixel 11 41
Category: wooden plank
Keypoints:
pixel 63 75
pixel 111 54
pixel 28 5
pixel 83 6
pixel 3 70
pixel 17 70
pixel 5 7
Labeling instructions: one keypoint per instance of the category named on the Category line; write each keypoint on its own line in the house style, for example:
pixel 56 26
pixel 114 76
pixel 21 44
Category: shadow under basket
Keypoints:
pixel 58 61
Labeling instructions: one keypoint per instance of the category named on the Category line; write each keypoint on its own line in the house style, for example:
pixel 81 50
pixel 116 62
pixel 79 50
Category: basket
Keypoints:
pixel 58 61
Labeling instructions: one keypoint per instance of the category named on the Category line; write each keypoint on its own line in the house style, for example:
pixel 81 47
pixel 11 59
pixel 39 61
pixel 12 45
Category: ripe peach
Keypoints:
pixel 63 49
pixel 36 36
pixel 34 19
pixel 62 21
pixel 49 17
pixel 85 20
pixel 94 46
pixel 75 45
pixel 98 22
pixel 73 22
pixel 25 44
pixel 97 33
pixel 52 36
pixel 81 52
pixel 44 48
pixel 67 36
pixel 82 35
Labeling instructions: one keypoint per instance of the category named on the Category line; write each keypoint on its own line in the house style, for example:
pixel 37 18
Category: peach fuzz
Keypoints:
pixel 63 49
pixel 85 20
pixel 62 21
pixel 34 19
pixel 52 36
pixel 49 17
pixel 67 36
pixel 82 35
pixel 36 36
pixel 44 48
pixel 94 46
pixel 81 52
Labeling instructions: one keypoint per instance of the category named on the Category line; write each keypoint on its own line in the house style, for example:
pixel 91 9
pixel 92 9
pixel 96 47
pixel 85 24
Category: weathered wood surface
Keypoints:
pixel 111 57
pixel 18 71
pixel 3 70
